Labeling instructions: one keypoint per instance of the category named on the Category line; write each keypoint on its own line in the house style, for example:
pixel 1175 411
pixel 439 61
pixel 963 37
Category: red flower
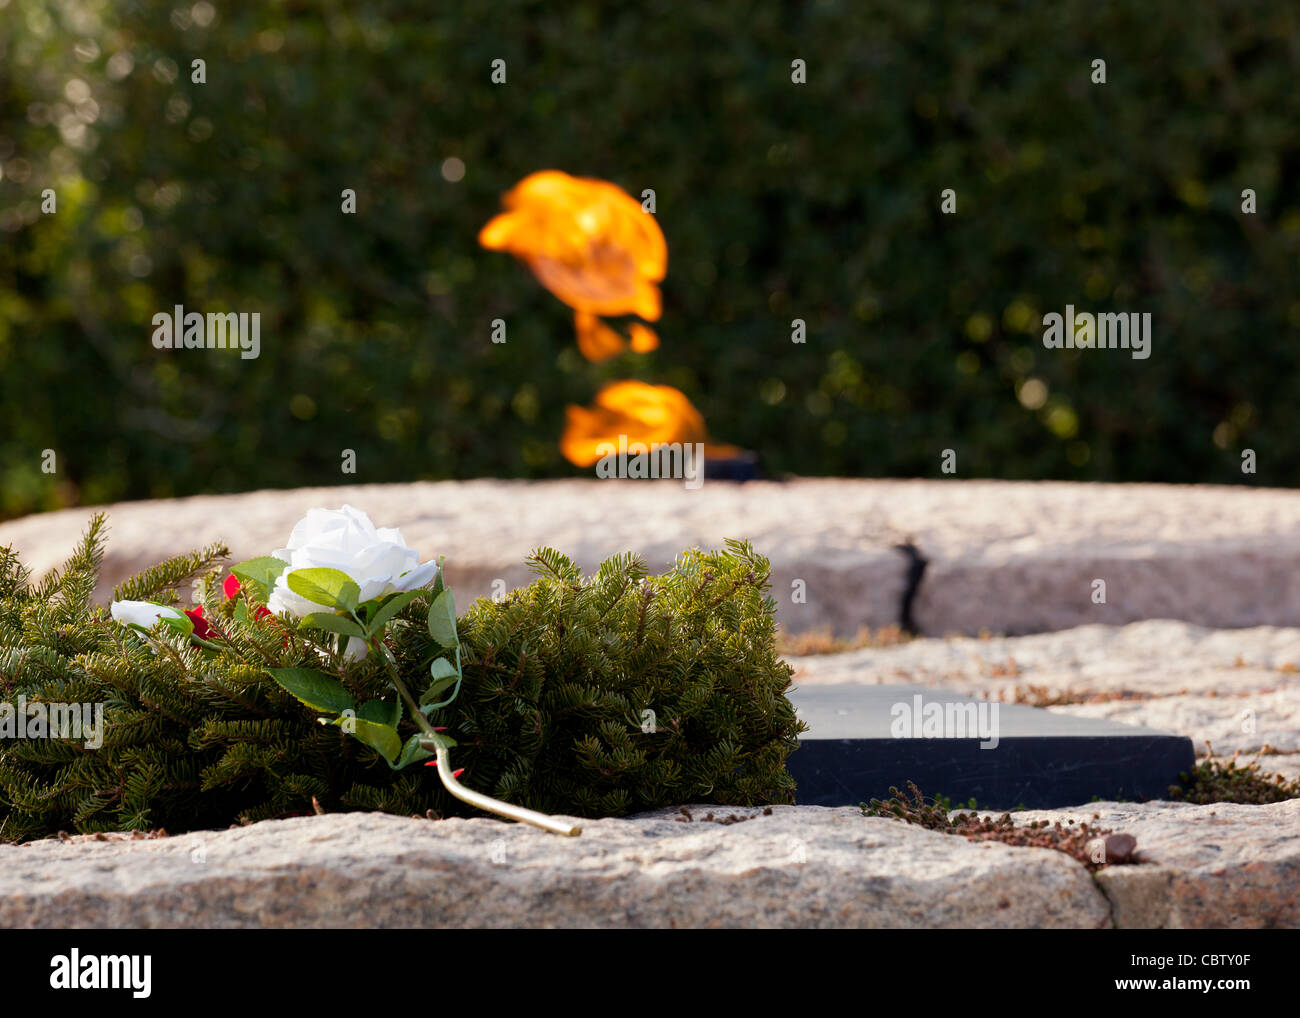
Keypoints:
pixel 232 586
pixel 201 628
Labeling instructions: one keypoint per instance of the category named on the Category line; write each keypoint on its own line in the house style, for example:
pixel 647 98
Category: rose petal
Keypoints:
pixel 201 628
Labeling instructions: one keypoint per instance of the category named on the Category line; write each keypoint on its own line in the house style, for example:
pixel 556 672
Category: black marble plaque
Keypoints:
pixel 863 739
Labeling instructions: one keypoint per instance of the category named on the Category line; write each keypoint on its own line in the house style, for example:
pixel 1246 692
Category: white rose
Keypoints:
pixel 141 613
pixel 356 648
pixel 377 560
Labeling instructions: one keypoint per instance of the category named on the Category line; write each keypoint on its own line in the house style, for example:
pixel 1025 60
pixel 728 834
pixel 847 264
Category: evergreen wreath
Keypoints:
pixel 586 696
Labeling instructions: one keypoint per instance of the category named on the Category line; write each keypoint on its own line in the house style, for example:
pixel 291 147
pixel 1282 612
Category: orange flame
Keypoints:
pixel 644 413
pixel 590 244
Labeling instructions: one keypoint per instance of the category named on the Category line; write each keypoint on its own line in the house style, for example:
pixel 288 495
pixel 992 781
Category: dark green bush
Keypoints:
pixel 564 677
pixel 558 677
pixel 816 201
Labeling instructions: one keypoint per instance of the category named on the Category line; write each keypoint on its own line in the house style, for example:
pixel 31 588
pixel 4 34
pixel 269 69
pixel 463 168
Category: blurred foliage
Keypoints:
pixel 817 201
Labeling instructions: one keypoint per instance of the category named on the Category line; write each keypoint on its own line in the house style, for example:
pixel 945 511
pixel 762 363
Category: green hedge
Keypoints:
pixel 817 201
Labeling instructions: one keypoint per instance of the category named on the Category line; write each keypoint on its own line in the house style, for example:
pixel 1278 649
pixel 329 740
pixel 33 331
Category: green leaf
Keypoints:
pixel 321 692
pixel 444 675
pixel 391 607
pixel 444 678
pixel 340 624
pixel 411 753
pixel 434 691
pixel 381 713
pixel 381 738
pixel 442 619
pixel 183 625
pixel 442 668
pixel 262 571
pixel 330 587
pixel 438 585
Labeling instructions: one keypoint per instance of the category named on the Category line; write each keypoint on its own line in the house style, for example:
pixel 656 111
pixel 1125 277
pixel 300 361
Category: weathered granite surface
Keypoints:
pixel 1220 865
pixel 1009 557
pixel 800 866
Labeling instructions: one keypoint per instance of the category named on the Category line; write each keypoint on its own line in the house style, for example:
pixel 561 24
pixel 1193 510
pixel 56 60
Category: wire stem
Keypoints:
pixel 433 742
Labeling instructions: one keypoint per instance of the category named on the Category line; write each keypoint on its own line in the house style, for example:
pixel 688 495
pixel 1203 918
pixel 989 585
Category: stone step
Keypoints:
pixel 1007 557
pixel 1210 867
